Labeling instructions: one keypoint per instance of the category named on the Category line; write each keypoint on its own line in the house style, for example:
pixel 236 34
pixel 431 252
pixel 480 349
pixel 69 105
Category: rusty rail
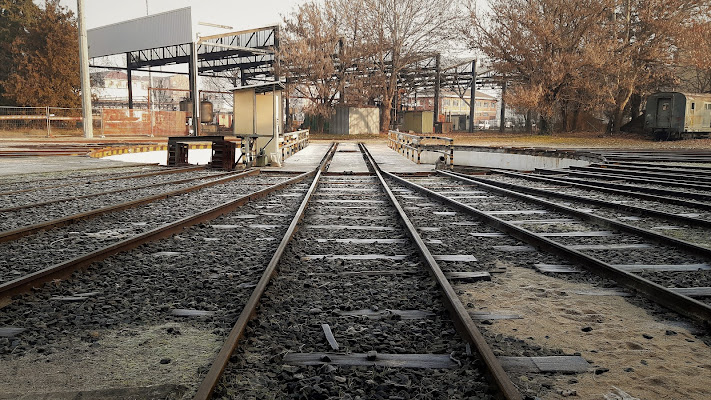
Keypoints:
pixel 462 319
pixel 65 269
pixel 682 304
pixel 208 384
pixel 13 234
pixel 88 196
pixel 144 175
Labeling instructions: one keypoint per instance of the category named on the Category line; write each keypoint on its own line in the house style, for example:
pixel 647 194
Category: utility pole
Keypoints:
pixel 472 98
pixel 502 124
pixel 84 74
pixel 438 78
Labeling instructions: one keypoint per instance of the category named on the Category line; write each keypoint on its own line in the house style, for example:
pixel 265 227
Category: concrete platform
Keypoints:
pixel 349 159
pixel 305 160
pixel 392 161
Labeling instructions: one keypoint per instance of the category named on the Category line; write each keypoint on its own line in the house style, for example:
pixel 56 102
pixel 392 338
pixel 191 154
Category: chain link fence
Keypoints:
pixel 165 119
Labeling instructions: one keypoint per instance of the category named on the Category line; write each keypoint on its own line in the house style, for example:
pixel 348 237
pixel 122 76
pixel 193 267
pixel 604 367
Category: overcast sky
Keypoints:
pixel 240 14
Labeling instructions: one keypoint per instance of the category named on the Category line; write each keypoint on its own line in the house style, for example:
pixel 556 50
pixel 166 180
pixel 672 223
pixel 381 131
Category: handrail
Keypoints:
pixel 292 142
pixel 412 146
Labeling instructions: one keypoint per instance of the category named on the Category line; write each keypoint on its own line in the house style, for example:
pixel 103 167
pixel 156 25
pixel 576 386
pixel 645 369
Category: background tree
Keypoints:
pixel 308 53
pixel 542 46
pixel 400 33
pixel 15 18
pixel 351 52
pixel 646 36
pixel 47 61
pixel 695 58
pixel 601 56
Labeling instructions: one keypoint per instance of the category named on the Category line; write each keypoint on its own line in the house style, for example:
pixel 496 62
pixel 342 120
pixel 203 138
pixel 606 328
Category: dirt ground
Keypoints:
pixel 642 356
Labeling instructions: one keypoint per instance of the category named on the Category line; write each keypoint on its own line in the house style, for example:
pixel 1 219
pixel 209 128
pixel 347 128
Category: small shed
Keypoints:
pixel 258 112
pixel 418 121
pixel 355 120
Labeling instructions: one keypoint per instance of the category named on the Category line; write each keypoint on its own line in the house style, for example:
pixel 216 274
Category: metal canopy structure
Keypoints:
pixel 167 39
pixel 250 52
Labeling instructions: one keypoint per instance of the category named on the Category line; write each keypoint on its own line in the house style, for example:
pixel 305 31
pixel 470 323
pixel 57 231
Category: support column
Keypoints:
pixel 242 78
pixel 88 122
pixel 130 81
pixel 472 98
pixel 287 122
pixel 438 60
pixel 194 93
pixel 502 124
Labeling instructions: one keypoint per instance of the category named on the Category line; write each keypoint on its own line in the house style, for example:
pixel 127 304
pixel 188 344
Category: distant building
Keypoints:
pixel 455 109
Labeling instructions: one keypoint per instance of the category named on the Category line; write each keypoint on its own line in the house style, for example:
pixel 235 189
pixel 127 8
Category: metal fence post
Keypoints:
pixel 49 132
pixel 102 122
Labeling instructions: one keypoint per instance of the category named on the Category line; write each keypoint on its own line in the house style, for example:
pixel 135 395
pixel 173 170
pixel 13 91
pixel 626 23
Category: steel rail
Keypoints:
pixel 603 203
pixel 65 269
pixel 212 378
pixel 681 304
pixel 75 170
pixel 13 234
pixel 680 158
pixel 673 170
pixel 598 175
pixel 462 319
pixel 645 196
pixel 665 177
pixel 640 164
pixel 596 219
pixel 641 189
pixel 167 171
pixel 88 196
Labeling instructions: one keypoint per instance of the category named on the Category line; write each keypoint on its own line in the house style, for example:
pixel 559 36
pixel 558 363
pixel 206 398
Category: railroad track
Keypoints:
pixel 42 216
pixel 355 282
pixel 74 181
pixel 366 269
pixel 612 248
pixel 656 186
pixel 23 212
pixel 50 250
pixel 77 173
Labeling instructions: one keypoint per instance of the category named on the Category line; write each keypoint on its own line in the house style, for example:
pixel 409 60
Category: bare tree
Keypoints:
pixel 571 55
pixel 400 33
pixel 310 42
pixel 351 52
pixel 645 38
pixel 695 58
pixel 542 46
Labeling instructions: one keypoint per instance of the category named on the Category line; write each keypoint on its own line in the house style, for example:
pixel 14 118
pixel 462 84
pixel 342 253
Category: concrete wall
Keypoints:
pixel 354 121
pixel 364 120
pixel 508 159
